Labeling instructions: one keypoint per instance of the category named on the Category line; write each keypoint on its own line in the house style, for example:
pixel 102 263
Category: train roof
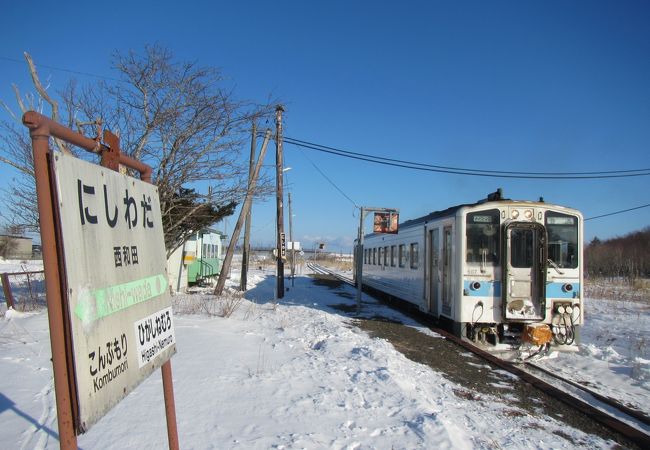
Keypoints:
pixel 494 197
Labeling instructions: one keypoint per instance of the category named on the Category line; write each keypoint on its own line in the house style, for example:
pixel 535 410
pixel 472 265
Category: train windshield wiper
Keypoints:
pixel 554 265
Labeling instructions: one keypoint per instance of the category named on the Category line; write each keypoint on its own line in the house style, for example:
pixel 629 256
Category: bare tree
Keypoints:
pixel 20 208
pixel 621 257
pixel 179 118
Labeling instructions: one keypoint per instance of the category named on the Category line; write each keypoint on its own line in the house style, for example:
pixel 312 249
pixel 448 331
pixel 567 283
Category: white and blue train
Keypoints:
pixel 500 272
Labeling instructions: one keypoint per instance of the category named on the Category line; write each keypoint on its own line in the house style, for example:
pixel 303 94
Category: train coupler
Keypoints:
pixel 484 334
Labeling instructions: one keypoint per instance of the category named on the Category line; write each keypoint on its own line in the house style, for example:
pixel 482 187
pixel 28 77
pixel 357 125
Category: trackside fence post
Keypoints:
pixel 6 287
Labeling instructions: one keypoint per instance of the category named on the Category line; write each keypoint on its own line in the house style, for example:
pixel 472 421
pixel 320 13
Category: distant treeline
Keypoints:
pixel 627 256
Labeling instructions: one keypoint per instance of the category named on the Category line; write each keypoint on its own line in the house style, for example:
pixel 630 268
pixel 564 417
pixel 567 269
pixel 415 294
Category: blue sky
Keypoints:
pixel 538 86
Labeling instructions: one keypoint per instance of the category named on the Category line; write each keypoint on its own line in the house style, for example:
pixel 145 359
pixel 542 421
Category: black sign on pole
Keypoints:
pixel 283 246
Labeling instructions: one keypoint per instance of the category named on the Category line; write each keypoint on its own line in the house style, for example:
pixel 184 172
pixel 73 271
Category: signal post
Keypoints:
pixel 386 221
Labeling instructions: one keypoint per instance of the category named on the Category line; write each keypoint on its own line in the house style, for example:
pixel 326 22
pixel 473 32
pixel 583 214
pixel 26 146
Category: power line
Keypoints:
pixel 618 212
pixel 329 180
pixel 465 171
pixel 60 69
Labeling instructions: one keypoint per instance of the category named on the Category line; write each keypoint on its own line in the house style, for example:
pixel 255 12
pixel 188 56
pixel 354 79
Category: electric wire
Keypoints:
pixel 411 164
pixel 460 168
pixel 617 212
pixel 60 69
pixel 330 181
pixel 465 171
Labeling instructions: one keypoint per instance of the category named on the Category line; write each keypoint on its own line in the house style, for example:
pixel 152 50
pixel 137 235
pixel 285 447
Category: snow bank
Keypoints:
pixel 291 375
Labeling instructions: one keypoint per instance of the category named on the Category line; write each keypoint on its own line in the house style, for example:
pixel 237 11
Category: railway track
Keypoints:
pixel 324 271
pixel 631 423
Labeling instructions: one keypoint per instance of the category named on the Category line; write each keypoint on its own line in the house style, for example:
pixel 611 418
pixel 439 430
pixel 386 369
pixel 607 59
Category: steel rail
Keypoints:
pixel 638 415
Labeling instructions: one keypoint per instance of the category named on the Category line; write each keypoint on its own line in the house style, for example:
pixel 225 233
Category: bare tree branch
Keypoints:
pixel 177 117
pixel 45 96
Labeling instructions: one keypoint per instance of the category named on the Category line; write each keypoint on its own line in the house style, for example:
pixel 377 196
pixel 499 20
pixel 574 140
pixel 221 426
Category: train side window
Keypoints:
pixel 393 251
pixel 381 255
pixel 414 255
pixel 374 256
pixel 386 255
pixel 402 255
pixel 482 236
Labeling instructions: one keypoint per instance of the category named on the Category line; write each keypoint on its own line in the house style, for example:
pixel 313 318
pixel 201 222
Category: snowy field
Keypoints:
pixel 298 374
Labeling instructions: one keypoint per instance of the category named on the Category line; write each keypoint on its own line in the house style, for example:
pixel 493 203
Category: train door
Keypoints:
pixel 434 271
pixel 524 279
pixel 446 270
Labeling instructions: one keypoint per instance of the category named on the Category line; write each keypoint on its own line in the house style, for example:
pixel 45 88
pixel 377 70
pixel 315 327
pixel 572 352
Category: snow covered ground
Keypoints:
pixel 299 374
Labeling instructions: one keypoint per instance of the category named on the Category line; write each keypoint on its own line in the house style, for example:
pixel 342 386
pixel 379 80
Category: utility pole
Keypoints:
pixel 293 246
pixel 247 228
pixel 359 258
pixel 279 196
pixel 221 282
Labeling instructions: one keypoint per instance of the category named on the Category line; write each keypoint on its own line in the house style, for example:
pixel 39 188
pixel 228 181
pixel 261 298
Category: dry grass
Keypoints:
pixel 618 289
pixel 207 304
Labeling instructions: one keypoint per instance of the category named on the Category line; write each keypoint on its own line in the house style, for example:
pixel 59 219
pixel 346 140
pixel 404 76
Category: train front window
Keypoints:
pixel 562 232
pixel 522 248
pixel 483 237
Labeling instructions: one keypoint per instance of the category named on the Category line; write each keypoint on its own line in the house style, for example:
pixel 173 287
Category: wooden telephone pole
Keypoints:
pixel 279 195
pixel 247 228
pixel 221 282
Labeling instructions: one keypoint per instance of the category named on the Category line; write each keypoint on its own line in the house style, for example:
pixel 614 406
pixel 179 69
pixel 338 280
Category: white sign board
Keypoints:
pixel 115 272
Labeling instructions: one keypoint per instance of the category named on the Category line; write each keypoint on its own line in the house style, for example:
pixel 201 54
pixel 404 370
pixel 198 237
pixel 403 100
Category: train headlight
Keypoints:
pixel 475 286
pixel 514 213
pixel 560 309
pixel 528 214
pixel 568 287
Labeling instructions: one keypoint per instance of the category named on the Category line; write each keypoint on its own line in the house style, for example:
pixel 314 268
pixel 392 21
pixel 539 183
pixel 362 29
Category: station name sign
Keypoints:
pixel 121 323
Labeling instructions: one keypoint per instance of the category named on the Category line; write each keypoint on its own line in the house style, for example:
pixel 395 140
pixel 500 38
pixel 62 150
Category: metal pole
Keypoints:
pixel 62 381
pixel 170 405
pixel 362 215
pixel 293 249
pixel 247 228
pixel 279 196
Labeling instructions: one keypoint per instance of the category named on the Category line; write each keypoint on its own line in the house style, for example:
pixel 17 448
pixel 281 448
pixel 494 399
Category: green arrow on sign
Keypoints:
pixel 102 302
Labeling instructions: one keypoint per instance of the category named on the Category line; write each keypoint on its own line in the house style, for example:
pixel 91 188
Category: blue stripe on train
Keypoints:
pixel 554 290
pixel 492 288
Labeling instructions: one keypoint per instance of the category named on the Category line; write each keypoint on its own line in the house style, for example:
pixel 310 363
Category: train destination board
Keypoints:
pixel 115 273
